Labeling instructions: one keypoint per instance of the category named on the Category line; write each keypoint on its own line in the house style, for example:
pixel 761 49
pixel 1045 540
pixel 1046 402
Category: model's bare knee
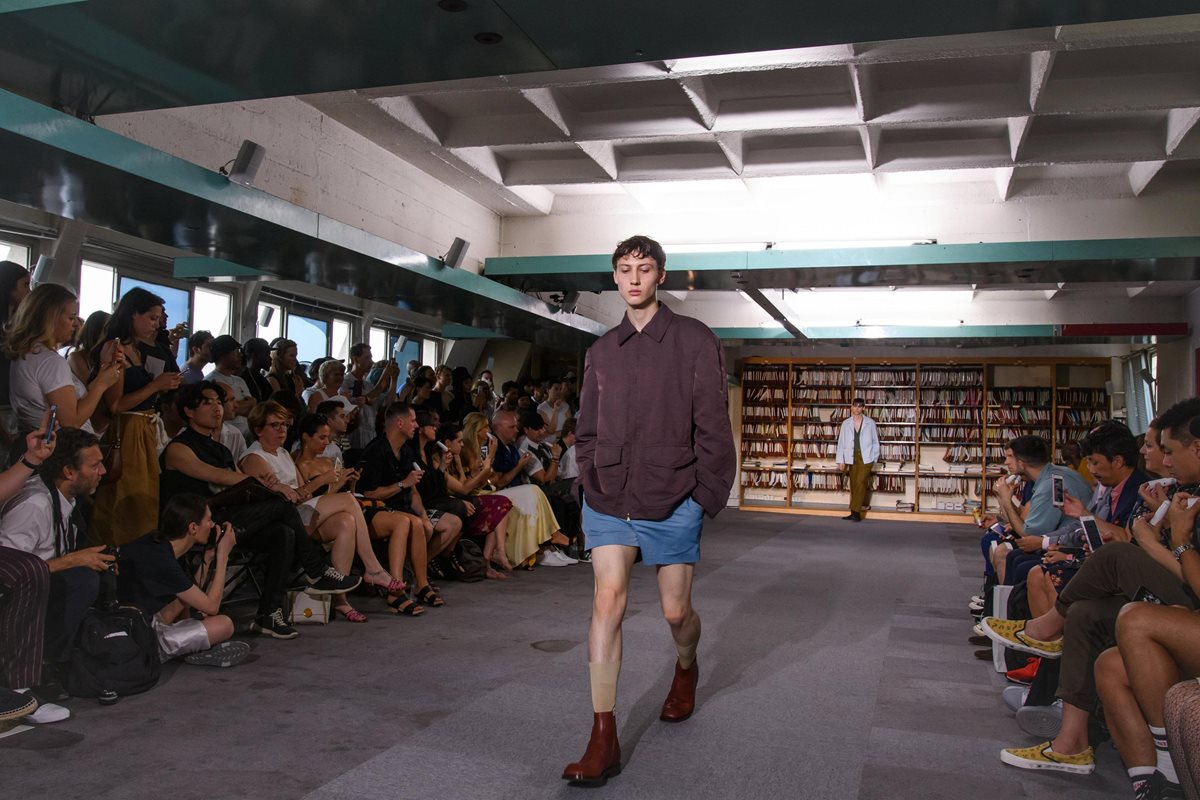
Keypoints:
pixel 676 614
pixel 609 603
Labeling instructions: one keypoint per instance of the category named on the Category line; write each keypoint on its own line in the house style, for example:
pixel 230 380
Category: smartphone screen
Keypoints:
pixel 1059 490
pixel 51 424
pixel 1091 532
pixel 1144 595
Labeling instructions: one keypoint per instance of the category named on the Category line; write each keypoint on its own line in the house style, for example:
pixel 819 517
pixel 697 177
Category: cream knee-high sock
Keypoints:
pixel 687 653
pixel 604 685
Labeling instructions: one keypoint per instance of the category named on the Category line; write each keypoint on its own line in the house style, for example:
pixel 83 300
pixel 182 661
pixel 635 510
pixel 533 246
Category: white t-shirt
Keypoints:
pixel 535 464
pixel 34 376
pixel 281 464
pixel 233 439
pixel 240 392
pixel 554 420
pixel 313 390
pixel 567 467
pixel 362 435
pixel 27 520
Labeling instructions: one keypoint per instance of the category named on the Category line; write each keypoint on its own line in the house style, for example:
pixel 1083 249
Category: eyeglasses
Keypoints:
pixel 279 426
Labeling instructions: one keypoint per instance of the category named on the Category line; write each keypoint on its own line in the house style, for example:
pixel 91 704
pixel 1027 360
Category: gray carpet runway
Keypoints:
pixel 834 664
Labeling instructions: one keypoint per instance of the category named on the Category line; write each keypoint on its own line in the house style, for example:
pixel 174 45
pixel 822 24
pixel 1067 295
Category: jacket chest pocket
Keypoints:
pixel 611 469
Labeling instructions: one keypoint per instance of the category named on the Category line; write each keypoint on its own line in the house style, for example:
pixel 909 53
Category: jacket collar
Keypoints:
pixel 657 328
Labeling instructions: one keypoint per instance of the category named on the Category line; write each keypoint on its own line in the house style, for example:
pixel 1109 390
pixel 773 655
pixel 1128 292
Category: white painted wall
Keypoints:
pixel 976 216
pixel 323 166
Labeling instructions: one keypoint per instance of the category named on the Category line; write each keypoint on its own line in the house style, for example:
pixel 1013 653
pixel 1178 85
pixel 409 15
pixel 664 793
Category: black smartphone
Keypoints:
pixel 1144 595
pixel 1060 492
pixel 51 424
pixel 1091 532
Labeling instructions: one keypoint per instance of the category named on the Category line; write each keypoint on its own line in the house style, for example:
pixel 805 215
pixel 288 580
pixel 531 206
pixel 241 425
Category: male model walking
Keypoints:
pixel 858 449
pixel 655 454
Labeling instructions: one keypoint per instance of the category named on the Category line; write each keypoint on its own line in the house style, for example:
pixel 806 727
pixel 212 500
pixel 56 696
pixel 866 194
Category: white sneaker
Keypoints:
pixel 552 558
pixel 975 605
pixel 568 559
pixel 977 629
pixel 46 713
pixel 1014 697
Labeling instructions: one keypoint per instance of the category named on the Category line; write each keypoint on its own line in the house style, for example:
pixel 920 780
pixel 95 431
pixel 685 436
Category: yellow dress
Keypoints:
pixel 530 523
pixel 128 509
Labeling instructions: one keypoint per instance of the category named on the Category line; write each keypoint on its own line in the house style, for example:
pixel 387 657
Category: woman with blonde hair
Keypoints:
pixel 490 519
pixel 284 374
pixel 127 507
pixel 330 377
pixel 531 523
pixel 40 377
pixel 330 515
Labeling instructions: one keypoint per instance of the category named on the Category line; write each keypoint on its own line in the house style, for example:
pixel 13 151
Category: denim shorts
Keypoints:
pixel 674 540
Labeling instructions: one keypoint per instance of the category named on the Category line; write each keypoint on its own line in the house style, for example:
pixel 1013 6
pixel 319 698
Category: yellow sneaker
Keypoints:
pixel 1042 757
pixel 1011 633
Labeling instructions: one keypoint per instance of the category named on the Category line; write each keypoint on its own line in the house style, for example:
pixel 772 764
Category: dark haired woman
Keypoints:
pixel 285 373
pixel 128 507
pixel 14 287
pixel 152 579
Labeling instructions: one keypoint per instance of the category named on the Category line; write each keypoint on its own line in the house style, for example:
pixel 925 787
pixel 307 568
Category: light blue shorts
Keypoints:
pixel 674 540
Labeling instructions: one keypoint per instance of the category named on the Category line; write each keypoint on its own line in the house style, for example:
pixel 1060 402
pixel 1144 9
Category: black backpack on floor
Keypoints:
pixel 470 556
pixel 116 650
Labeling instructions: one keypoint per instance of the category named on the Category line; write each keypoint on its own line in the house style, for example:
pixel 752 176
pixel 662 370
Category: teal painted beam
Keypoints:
pixel 453 330
pixel 206 267
pixel 31 120
pixel 10 6
pixel 910 255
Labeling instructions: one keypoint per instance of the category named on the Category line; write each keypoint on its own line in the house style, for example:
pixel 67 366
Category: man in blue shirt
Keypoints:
pixel 1029 457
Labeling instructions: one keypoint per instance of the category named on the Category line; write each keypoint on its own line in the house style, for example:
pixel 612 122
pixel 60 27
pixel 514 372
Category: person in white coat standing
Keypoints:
pixel 858 449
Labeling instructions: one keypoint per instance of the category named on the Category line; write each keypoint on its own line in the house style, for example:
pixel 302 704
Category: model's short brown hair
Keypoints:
pixel 642 246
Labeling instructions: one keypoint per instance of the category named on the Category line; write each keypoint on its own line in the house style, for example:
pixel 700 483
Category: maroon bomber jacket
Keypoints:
pixel 653 423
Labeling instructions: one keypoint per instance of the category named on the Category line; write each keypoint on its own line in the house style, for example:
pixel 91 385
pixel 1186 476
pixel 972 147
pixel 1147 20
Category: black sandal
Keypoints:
pixel 429 596
pixel 404 605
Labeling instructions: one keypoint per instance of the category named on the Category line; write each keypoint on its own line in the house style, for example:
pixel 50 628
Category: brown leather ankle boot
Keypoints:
pixel 602 760
pixel 681 700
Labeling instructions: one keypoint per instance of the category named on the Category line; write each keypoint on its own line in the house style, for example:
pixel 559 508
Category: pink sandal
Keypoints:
pixel 350 613
pixel 393 586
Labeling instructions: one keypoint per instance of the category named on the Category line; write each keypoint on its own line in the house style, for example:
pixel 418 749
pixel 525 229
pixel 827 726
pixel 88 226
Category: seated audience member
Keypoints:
pixel 404 390
pixel 533 530
pixel 542 471
pixel 389 474
pixel 1083 621
pixel 44 518
pixel 331 516
pixel 226 353
pixel 483 400
pixel 330 377
pixel 367 395
pixel 554 410
pixel 151 578
pixel 230 435
pixel 26 580
pixel 256 354
pixel 564 450
pixel 1112 454
pixel 285 374
pixel 80 361
pixel 198 357
pixel 39 376
pixel 403 532
pixel 127 508
pixel 490 520
pixel 421 394
pixel 14 288
pixel 443 389
pixel 169 424
pixel 194 462
pixel 1029 457
pixel 1075 458
pixel 460 403
pixel 334 413
pixel 296 408
pixel 1158 646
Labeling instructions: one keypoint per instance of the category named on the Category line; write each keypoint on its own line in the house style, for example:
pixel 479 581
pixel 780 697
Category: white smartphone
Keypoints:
pixel 1060 492
pixel 1091 532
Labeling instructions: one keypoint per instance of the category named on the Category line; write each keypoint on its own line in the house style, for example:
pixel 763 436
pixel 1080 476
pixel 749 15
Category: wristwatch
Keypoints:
pixel 1183 548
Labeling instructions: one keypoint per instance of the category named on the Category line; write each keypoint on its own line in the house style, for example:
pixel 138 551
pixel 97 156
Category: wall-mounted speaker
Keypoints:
pixel 457 252
pixel 1109 388
pixel 245 166
pixel 398 350
pixel 268 314
pixel 41 270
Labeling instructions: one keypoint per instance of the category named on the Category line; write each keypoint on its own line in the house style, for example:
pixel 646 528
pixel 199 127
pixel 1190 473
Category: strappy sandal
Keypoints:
pixel 429 596
pixel 393 586
pixel 351 613
pixel 404 605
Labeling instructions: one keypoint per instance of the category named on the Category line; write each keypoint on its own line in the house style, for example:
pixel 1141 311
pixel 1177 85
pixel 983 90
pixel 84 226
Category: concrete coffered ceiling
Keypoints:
pixel 1052 110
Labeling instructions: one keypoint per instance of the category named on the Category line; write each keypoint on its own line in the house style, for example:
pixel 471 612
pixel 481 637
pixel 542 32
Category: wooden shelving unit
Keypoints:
pixel 942 428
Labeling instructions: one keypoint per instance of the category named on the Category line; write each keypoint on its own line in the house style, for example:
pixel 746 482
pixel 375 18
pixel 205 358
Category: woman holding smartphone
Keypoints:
pixel 127 508
pixel 40 377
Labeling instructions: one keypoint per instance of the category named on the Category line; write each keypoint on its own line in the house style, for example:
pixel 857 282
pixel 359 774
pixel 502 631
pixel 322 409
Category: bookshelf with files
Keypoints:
pixel 943 426
pixel 950 469
pixel 1081 402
